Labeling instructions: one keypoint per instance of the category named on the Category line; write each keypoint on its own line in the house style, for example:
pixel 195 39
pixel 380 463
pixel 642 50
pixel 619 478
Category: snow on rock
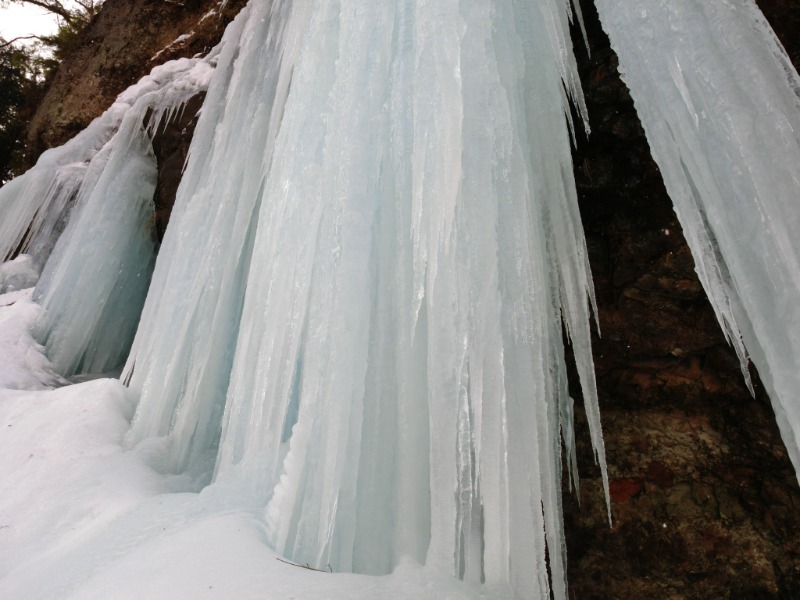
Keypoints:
pixel 36 206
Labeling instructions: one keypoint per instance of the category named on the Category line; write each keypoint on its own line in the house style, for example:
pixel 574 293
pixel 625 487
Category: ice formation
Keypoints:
pixel 98 190
pixel 363 281
pixel 354 326
pixel 720 104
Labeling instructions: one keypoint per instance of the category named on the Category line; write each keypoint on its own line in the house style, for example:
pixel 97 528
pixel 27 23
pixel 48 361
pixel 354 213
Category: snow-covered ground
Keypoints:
pixel 83 518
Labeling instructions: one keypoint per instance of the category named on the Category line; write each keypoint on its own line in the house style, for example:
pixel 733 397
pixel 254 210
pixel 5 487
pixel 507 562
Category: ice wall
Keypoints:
pixel 196 296
pixel 35 207
pixel 356 313
pixel 720 104
pixel 94 284
pixel 85 214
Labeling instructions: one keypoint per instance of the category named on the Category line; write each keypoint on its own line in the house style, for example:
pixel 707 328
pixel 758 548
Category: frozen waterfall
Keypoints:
pixel 363 283
pixel 354 324
pixel 94 195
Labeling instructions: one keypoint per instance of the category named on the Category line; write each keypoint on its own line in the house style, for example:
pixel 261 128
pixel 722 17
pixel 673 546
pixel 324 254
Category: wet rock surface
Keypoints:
pixel 704 499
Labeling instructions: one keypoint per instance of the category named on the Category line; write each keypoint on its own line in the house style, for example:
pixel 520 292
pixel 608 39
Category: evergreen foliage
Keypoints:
pixel 21 83
pixel 24 70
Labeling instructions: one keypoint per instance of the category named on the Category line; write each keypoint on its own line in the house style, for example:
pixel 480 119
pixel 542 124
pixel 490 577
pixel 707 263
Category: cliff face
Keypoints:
pixel 121 45
pixel 704 499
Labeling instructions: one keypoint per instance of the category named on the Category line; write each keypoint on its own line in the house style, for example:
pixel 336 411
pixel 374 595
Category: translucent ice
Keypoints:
pixel 363 283
pixel 86 209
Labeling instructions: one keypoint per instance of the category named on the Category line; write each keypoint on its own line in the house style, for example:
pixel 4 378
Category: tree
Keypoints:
pixel 75 13
pixel 21 82
pixel 24 68
pixel 73 17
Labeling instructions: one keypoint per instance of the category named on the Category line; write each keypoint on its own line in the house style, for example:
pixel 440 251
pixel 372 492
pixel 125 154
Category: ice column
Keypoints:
pixel 404 222
pixel 94 283
pixel 34 207
pixel 93 287
pixel 720 103
pixel 196 296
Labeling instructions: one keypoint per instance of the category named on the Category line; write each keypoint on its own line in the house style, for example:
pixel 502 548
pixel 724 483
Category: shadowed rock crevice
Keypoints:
pixel 171 147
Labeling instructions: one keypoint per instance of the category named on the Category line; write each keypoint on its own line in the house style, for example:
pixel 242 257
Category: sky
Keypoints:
pixel 20 20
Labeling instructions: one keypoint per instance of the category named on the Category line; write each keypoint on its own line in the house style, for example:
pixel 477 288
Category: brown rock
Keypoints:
pixel 704 498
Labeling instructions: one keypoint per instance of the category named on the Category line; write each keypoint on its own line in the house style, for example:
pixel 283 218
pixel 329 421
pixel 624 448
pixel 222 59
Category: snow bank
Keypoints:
pixel 18 274
pixel 22 364
pixel 81 519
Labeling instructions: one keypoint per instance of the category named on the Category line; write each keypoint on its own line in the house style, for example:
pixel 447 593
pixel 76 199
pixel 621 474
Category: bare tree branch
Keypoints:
pixel 5 44
pixel 73 18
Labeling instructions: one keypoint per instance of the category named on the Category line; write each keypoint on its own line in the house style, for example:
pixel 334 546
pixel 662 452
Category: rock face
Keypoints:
pixel 704 499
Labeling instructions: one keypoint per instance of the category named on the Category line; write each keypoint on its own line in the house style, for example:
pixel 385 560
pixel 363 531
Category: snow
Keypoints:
pixel 177 41
pixel 82 518
pixel 18 274
pixel 22 365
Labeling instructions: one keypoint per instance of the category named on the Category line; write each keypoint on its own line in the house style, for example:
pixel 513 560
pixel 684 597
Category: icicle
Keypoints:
pixel 718 98
pixel 35 207
pixel 196 296
pixel 94 283
pixel 408 241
